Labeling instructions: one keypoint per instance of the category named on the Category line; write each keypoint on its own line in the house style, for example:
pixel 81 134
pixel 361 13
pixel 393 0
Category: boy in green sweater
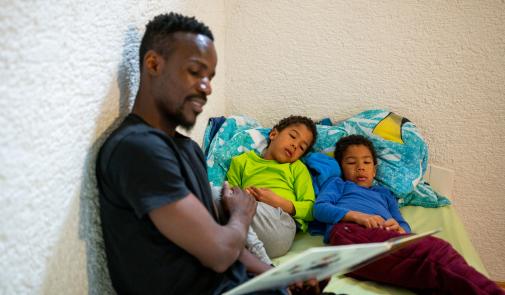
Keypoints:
pixel 280 183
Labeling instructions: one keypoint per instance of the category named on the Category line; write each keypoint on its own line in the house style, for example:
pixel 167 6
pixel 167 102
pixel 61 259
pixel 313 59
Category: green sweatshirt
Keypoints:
pixel 291 181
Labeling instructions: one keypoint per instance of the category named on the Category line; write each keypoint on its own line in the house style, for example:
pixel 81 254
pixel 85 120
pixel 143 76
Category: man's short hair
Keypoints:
pixel 159 29
pixel 353 139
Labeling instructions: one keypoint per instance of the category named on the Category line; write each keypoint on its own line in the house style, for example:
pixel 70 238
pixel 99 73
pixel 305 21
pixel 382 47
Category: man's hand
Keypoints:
pixel 267 196
pixel 238 202
pixel 392 224
pixel 308 287
pixel 366 220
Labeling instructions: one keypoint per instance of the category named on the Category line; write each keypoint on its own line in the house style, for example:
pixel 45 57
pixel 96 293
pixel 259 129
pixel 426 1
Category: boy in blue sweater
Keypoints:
pixel 356 211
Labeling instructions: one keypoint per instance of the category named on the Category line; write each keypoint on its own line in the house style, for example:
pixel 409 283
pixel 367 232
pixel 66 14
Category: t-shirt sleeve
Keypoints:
pixel 304 192
pixel 146 171
pixel 326 208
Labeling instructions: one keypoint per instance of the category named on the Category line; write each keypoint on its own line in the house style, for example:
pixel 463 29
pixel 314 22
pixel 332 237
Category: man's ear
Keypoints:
pixel 273 134
pixel 153 63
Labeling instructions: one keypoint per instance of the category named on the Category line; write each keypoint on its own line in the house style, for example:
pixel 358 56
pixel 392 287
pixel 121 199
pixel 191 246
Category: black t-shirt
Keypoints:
pixel 140 168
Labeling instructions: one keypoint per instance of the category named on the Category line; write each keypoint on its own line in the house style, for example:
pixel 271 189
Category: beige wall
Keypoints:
pixel 68 69
pixel 441 64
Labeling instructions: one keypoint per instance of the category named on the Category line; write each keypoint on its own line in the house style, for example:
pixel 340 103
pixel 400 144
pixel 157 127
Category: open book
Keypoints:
pixel 323 262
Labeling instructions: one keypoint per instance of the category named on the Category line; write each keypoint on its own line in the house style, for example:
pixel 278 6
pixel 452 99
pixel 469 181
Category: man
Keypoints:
pixel 161 230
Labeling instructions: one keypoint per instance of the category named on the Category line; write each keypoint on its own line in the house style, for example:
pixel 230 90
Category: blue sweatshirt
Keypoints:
pixel 337 197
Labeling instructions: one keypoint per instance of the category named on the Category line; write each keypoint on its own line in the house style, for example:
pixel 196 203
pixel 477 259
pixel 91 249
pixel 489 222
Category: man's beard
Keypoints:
pixel 181 121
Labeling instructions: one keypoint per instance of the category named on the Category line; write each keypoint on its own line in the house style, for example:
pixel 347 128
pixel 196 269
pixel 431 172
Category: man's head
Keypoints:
pixel 177 61
pixel 159 33
pixel 357 158
pixel 290 139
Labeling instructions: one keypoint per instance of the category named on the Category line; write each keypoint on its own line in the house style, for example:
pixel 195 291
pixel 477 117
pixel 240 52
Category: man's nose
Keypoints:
pixel 204 86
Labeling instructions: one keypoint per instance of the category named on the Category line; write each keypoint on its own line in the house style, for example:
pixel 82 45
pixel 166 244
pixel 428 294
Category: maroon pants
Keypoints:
pixel 429 266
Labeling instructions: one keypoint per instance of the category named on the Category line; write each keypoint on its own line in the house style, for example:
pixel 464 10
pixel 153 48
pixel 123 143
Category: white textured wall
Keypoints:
pixel 439 63
pixel 66 73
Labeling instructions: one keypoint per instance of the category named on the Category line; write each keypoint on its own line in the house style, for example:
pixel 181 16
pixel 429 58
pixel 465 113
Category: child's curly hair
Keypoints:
pixel 291 120
pixel 353 139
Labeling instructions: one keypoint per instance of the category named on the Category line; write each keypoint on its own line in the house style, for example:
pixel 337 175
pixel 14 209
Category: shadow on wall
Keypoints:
pixel 89 216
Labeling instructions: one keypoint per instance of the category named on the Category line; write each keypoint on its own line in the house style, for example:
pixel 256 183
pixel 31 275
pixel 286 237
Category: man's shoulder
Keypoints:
pixel 132 135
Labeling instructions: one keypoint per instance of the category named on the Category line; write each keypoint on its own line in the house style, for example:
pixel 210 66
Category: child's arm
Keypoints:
pixel 234 174
pixel 267 196
pixel 325 208
pixel 304 192
pixel 301 207
pixel 328 211
pixel 395 211
pixel 364 219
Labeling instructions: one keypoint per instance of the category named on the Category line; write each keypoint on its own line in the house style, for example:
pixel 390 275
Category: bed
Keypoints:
pixel 422 190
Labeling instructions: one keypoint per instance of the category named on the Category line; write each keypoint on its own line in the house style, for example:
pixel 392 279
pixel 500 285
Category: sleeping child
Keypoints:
pixel 280 183
pixel 356 211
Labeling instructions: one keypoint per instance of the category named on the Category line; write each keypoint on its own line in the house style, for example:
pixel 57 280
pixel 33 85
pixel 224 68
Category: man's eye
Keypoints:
pixel 302 148
pixel 292 136
pixel 193 72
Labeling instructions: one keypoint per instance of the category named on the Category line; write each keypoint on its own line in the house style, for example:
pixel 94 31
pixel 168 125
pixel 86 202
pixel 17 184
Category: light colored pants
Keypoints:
pixel 271 233
pixel 274 228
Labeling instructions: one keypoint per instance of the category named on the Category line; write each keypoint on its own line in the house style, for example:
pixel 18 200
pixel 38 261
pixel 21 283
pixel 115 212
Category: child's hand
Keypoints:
pixel 366 220
pixel 392 224
pixel 267 196
pixel 264 195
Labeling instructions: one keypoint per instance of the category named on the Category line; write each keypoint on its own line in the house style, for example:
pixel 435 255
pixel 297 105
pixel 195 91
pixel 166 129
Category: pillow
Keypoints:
pixel 402 155
pixel 238 134
pixel 401 151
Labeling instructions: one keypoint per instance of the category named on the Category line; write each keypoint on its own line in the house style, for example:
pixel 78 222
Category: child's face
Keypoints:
pixel 290 144
pixel 358 166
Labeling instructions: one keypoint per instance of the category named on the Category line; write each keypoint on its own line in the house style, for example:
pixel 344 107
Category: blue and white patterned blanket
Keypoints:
pixel 401 166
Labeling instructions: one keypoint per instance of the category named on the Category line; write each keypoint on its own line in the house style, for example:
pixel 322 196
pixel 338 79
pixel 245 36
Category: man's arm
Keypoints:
pixel 252 263
pixel 188 224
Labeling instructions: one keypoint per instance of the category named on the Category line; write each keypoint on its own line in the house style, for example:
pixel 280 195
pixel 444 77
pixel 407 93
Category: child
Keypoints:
pixel 356 211
pixel 280 183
